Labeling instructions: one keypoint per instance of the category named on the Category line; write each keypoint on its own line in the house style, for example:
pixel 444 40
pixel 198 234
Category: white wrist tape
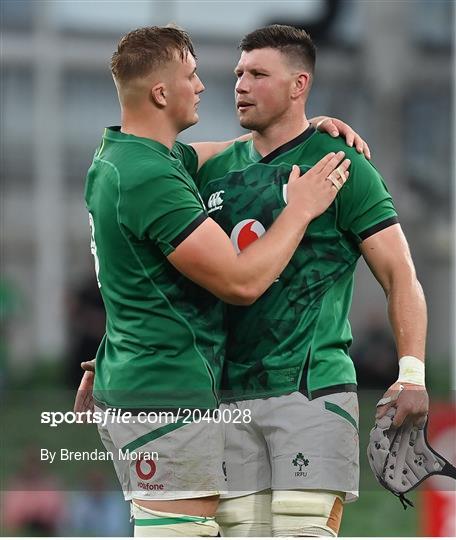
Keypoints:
pixel 411 370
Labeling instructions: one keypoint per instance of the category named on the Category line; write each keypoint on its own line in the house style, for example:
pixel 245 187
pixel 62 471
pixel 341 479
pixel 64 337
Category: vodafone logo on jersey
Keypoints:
pixel 246 232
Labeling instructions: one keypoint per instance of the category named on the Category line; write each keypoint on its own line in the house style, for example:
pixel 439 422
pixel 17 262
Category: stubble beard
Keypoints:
pixel 250 124
pixel 261 124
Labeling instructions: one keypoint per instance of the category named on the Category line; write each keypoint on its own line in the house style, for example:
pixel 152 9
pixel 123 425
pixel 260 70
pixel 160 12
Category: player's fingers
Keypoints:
pixel 84 401
pixel 332 164
pixel 294 174
pixel 382 410
pixel 345 178
pixel 320 165
pixel 330 127
pixel 88 403
pixel 358 143
pixel 342 169
pixel 89 365
pixel 327 125
pixel 399 417
pixel 79 402
pixel 84 393
pixel 388 400
pixel 87 381
pixel 339 176
pixel 361 146
pixel 350 138
pixel 336 185
pixel 421 421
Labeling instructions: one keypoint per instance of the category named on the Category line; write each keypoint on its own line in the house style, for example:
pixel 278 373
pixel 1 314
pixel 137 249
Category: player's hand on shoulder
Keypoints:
pixel 314 191
pixel 336 128
pixel 84 396
pixel 411 402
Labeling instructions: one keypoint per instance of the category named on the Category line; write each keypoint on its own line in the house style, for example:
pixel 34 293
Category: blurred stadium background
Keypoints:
pixel 384 67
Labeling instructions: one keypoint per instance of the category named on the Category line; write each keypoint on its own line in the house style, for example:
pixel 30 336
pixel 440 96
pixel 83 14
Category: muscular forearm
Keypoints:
pixel 407 314
pixel 206 150
pixel 388 256
pixel 261 263
pixel 208 258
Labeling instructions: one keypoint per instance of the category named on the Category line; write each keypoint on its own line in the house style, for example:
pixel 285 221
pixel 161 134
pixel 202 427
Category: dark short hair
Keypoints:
pixel 142 50
pixel 292 42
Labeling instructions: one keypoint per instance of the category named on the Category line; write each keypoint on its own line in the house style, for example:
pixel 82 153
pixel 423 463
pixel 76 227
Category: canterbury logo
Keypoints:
pixel 215 202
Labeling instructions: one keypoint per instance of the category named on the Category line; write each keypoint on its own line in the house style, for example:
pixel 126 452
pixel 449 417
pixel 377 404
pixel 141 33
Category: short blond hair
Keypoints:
pixel 143 50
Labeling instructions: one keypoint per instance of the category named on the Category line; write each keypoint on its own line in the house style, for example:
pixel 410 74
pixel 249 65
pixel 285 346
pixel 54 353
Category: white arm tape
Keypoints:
pixel 411 370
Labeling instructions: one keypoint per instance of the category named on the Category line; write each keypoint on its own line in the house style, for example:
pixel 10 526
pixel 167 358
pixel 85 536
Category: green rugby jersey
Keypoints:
pixel 297 335
pixel 164 341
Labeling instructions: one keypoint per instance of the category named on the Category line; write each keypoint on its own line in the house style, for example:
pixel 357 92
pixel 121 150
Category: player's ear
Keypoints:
pixel 301 84
pixel 158 94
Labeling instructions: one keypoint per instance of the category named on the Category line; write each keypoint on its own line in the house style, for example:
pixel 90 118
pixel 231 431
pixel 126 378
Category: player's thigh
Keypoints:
pixel 314 444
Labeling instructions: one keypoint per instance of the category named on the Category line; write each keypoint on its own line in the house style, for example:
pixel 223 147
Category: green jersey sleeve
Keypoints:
pixel 365 205
pixel 165 210
pixel 187 155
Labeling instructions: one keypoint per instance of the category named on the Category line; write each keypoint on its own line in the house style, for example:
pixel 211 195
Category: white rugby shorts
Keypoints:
pixel 166 460
pixel 294 443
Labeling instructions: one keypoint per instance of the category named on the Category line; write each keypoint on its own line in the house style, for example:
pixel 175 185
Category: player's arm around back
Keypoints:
pixel 206 150
pixel 208 257
pixel 388 256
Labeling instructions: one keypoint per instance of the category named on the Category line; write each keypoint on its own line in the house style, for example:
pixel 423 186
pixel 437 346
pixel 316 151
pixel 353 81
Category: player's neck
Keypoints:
pixel 278 133
pixel 157 129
